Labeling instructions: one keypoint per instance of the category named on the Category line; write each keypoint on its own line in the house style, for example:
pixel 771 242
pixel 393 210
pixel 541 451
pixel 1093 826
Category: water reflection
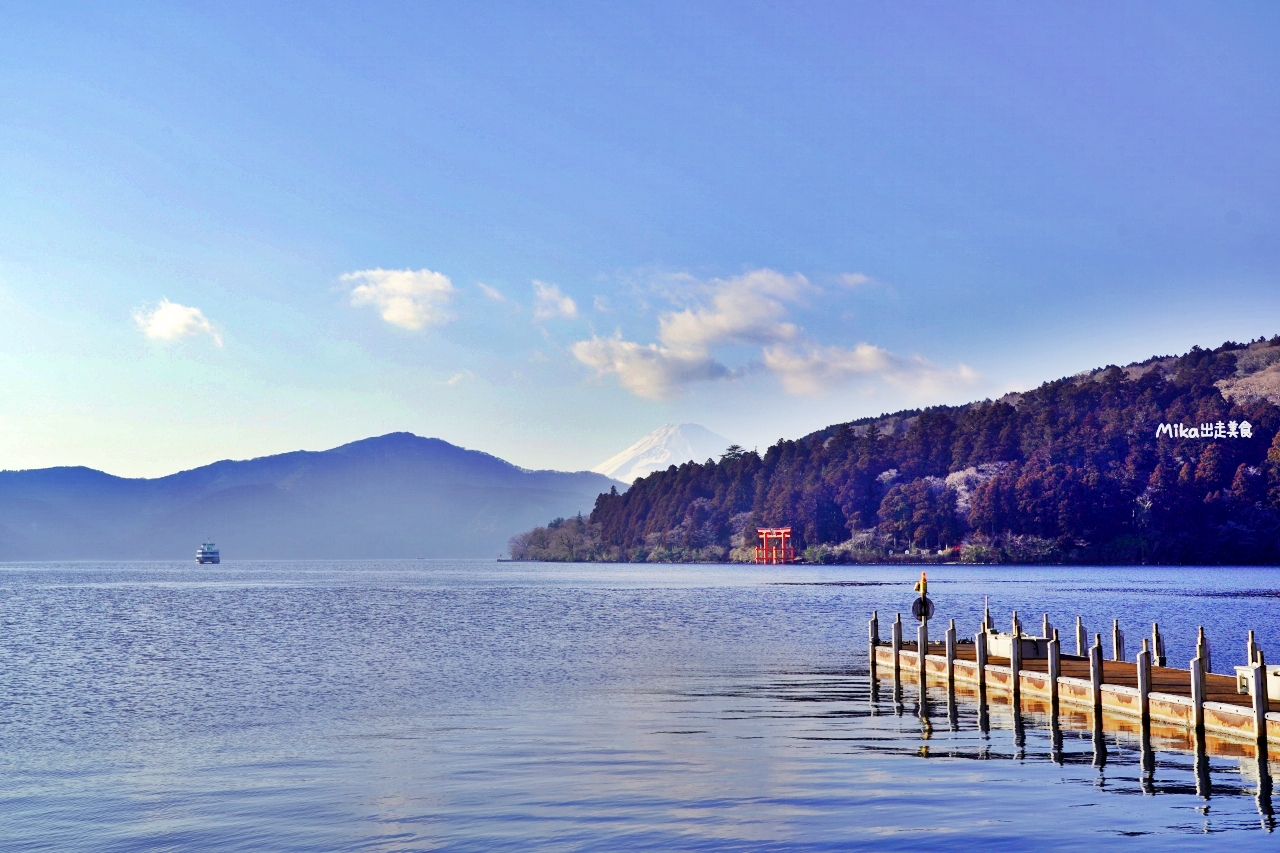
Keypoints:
pixel 511 707
pixel 1041 731
pixel 1099 748
pixel 1148 777
pixel 1263 797
pixel 1204 785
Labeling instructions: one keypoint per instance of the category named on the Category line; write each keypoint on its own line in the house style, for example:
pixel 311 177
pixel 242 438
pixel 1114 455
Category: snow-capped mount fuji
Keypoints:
pixel 668 445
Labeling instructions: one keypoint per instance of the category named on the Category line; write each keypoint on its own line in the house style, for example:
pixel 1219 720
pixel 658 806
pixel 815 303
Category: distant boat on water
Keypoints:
pixel 208 553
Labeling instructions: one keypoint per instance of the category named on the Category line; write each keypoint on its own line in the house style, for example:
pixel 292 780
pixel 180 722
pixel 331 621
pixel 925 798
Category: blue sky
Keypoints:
pixel 544 231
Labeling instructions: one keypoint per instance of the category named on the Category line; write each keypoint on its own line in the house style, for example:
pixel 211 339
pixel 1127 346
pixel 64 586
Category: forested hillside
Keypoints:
pixel 1174 460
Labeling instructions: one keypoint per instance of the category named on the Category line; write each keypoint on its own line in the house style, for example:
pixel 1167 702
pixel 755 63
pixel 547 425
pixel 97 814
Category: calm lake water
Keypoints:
pixel 467 705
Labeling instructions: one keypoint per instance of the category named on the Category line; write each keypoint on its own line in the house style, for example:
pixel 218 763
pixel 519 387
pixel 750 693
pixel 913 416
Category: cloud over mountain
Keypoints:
pixel 744 309
pixel 751 309
pixel 647 370
pixel 813 370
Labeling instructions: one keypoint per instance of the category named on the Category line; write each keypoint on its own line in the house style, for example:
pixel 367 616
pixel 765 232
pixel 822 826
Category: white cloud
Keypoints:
pixel 814 370
pixel 169 321
pixel 648 371
pixel 746 309
pixel 410 299
pixel 550 302
pixel 855 279
pixel 491 292
pixel 752 309
pixel 601 304
pixel 458 377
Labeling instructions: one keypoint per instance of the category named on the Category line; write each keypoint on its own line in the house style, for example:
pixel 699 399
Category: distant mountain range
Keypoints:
pixel 668 445
pixel 398 495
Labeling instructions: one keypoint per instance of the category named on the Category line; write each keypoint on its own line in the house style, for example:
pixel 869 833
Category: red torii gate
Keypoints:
pixel 775 545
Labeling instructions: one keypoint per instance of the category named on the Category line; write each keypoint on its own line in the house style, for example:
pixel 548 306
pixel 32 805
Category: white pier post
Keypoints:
pixel 1095 674
pixel 1081 645
pixel 1258 676
pixel 951 656
pixel 1250 650
pixel 1157 646
pixel 1015 662
pixel 1117 641
pixel 1202 651
pixel 1144 683
pixel 895 638
pixel 1055 670
pixel 1197 692
pixel 873 628
pixel 1047 627
pixel 980 653
pixel 922 648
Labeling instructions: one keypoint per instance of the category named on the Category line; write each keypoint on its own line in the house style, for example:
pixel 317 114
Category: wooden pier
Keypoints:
pixel 1129 695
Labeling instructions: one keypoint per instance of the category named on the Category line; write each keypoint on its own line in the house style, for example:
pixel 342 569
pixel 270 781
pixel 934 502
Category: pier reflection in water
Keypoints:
pixel 1128 744
pixel 1219 781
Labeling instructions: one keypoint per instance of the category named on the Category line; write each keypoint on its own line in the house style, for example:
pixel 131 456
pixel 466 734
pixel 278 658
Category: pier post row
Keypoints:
pixel 1023 667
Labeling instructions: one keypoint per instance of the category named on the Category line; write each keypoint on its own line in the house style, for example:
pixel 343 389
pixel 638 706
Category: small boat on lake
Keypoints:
pixel 208 553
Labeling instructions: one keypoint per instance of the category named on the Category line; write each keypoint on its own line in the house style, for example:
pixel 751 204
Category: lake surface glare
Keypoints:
pixel 472 705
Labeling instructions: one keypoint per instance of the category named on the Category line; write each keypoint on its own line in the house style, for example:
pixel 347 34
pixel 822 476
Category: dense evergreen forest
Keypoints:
pixel 1175 460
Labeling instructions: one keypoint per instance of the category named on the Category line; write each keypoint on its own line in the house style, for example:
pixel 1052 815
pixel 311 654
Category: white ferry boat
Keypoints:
pixel 208 553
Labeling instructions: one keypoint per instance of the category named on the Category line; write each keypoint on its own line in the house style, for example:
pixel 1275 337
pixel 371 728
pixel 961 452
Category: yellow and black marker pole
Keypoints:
pixel 922 606
pixel 920 609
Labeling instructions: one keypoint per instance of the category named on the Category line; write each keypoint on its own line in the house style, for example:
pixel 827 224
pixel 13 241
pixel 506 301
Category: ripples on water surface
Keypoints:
pixel 428 705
